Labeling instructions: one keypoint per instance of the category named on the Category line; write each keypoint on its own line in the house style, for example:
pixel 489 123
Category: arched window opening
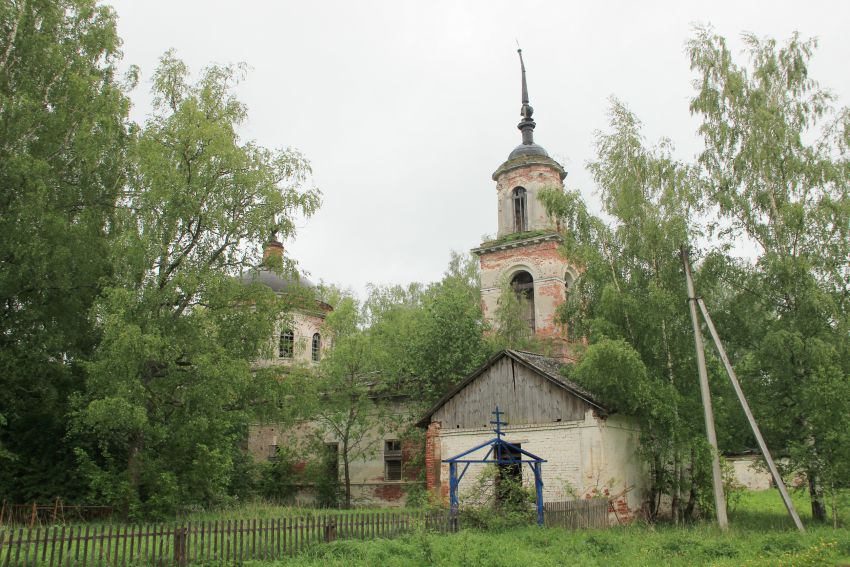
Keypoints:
pixel 287 343
pixel 523 285
pixel 569 282
pixel 317 347
pixel 520 210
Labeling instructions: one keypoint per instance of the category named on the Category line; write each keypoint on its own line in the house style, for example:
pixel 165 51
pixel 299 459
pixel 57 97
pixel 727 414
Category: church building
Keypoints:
pixel 589 451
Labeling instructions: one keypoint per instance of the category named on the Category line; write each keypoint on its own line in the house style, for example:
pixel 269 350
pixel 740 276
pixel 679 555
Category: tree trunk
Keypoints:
pixel 688 513
pixel 134 473
pixel 655 489
pixel 816 495
pixel 346 475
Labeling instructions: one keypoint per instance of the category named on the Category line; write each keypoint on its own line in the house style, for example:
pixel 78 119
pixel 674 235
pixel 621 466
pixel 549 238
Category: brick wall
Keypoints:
pixel 432 458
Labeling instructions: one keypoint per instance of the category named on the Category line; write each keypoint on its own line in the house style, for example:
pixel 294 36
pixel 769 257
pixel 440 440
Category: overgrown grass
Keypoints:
pixel 264 510
pixel 761 534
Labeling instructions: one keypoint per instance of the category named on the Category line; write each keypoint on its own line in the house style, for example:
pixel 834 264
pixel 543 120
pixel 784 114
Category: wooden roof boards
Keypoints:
pixel 529 386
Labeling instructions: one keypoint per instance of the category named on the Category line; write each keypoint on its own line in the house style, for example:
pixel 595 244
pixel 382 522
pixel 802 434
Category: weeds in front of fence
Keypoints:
pixel 202 542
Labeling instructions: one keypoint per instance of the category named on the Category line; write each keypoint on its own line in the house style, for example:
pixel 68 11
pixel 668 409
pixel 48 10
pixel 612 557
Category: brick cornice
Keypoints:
pixel 512 244
pixel 528 161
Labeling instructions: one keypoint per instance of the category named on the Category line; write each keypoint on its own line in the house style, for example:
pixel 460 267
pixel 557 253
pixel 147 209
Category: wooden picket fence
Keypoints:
pixel 114 545
pixel 577 514
pixel 200 542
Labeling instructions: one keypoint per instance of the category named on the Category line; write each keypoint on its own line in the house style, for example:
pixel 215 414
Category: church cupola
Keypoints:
pixel 527 170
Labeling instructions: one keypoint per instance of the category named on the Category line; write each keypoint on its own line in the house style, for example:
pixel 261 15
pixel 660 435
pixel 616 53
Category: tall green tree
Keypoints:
pixel 451 339
pixel 169 389
pixel 63 139
pixel 349 391
pixel 628 301
pixel 778 173
pixel 430 336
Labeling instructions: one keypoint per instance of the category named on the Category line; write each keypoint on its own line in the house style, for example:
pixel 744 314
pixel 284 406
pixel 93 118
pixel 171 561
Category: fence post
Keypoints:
pixel 330 531
pixel 180 546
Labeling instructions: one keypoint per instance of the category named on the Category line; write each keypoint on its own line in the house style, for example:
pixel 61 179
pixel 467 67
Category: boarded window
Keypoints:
pixel 392 460
pixel 523 285
pixel 287 341
pixel 520 209
pixel 316 349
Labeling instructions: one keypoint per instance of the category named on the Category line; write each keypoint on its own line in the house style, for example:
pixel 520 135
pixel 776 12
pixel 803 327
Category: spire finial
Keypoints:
pixel 526 125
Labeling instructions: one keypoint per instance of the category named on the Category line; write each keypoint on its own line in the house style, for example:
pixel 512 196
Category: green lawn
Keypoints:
pixel 761 534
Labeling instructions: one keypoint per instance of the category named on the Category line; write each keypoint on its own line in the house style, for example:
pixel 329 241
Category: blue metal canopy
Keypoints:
pixel 500 452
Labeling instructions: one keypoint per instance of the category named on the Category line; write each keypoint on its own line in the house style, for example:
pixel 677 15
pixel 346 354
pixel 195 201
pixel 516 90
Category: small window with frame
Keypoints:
pixel 287 344
pixel 392 460
pixel 316 347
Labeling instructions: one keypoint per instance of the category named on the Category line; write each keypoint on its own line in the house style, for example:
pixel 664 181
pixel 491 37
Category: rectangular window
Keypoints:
pixel 392 460
pixel 332 460
pixel 509 476
pixel 287 342
pixel 272 454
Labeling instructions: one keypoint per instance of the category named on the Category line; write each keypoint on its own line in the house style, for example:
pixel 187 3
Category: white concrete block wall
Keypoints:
pixel 584 458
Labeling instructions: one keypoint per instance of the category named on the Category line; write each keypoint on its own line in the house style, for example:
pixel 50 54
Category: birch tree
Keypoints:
pixel 628 302
pixel 778 174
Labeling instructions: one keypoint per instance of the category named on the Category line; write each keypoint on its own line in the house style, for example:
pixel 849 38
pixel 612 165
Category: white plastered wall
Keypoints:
pixel 585 458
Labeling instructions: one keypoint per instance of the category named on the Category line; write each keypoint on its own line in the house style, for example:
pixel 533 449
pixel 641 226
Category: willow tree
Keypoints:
pixel 169 389
pixel 776 162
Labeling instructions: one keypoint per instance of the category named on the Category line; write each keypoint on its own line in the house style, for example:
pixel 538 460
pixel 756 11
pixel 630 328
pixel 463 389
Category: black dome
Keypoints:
pixel 527 150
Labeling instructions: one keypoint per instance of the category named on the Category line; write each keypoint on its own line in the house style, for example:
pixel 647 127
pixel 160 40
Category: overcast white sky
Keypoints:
pixel 406 108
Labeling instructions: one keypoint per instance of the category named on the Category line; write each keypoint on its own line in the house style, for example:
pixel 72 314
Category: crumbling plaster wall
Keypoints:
pixel 368 484
pixel 542 260
pixel 534 178
pixel 587 458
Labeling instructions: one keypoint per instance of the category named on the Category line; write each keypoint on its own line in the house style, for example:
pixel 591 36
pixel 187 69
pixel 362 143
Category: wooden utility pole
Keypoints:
pixel 753 425
pixel 717 479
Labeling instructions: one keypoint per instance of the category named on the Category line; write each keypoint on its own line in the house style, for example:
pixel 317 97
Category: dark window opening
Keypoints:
pixel 392 460
pixel 509 476
pixel 520 210
pixel 332 460
pixel 287 344
pixel 523 285
pixel 317 347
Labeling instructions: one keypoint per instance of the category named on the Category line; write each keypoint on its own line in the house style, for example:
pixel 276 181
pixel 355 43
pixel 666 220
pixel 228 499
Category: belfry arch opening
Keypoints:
pixel 520 206
pixel 522 284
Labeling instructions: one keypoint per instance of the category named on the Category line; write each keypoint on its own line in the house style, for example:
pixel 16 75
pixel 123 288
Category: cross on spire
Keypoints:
pixel 527 124
pixel 498 423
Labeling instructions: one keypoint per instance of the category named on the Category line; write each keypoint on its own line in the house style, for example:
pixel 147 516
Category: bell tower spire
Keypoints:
pixel 527 124
pixel 525 250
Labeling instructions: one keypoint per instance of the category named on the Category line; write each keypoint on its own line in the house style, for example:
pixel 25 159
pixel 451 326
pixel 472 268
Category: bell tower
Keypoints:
pixel 525 251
